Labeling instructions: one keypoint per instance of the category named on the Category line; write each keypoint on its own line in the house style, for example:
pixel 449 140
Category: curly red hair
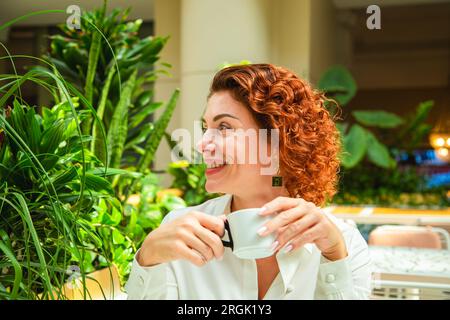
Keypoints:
pixel 309 141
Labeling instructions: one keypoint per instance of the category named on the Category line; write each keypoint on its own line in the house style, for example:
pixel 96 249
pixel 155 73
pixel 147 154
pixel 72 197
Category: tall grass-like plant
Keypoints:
pixel 63 196
pixel 51 189
pixel 46 194
pixel 122 97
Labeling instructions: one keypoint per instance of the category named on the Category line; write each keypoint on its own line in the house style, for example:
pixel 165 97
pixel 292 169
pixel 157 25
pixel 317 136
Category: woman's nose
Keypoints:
pixel 206 144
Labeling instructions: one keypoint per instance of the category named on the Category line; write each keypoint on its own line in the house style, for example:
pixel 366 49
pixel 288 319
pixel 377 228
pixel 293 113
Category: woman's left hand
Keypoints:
pixel 298 222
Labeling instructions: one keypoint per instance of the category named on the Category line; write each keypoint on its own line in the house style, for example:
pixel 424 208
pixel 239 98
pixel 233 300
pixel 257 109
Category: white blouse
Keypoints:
pixel 304 273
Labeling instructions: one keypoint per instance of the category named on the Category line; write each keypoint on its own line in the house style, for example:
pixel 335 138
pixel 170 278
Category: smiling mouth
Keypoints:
pixel 214 165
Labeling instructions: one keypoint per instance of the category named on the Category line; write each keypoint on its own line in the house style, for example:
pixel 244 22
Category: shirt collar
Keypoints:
pixel 224 205
pixel 290 262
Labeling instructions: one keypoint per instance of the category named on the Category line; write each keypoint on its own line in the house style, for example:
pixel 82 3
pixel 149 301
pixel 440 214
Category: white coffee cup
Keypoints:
pixel 245 242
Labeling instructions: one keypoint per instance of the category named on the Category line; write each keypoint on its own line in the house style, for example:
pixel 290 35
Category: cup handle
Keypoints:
pixel 228 244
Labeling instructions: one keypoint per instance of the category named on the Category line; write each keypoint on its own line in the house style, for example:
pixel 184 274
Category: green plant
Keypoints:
pixel 369 135
pixel 115 69
pixel 190 179
pixel 44 197
pixel 371 140
pixel 68 190
pixel 146 210
pixel 403 186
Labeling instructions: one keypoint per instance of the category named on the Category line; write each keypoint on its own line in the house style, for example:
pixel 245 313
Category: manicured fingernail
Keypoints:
pixel 262 230
pixel 288 248
pixel 263 209
pixel 274 245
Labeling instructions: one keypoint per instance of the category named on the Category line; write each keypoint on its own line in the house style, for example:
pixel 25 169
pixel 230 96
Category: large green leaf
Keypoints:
pixel 171 202
pixel 118 129
pixel 64 69
pixel 74 56
pixel 97 183
pixel 418 135
pixel 144 99
pixel 112 217
pixel 64 177
pixel 17 120
pixel 117 237
pixel 422 112
pixel 378 118
pixel 144 113
pixel 158 132
pixel 94 54
pixel 97 147
pixel 58 44
pixel 415 124
pixel 113 172
pixel 140 136
pixel 355 146
pixel 378 153
pixel 338 83
pixel 33 130
pixel 26 124
pixel 145 52
pixel 52 137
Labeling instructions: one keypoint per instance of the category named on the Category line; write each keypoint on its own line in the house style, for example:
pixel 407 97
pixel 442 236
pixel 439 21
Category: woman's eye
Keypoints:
pixel 224 127
pixel 221 127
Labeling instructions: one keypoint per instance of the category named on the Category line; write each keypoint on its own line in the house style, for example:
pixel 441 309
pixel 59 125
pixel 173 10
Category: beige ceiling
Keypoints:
pixel 382 3
pixel 10 9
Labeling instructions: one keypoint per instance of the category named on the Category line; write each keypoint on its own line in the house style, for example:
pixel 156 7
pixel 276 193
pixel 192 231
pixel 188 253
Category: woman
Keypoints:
pixel 315 255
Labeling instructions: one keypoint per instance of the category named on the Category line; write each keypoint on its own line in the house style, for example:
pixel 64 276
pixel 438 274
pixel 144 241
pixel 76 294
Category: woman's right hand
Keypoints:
pixel 195 237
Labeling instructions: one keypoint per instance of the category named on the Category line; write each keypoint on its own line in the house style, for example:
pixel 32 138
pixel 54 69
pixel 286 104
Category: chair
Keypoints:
pixel 409 290
pixel 410 236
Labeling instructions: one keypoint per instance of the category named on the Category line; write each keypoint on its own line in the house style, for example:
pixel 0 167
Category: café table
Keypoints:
pixel 384 215
pixel 417 272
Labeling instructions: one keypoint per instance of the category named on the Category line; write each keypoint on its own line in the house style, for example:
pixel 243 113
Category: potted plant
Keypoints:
pixel 46 194
pixel 114 69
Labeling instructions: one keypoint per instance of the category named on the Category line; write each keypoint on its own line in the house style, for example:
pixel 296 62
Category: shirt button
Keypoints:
pixel 330 278
pixel 289 289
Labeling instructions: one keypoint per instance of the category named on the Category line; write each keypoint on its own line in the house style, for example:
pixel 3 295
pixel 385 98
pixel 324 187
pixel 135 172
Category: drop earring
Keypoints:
pixel 277 180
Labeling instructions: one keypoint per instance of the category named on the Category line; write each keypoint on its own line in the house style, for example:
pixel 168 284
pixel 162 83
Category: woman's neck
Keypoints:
pixel 257 200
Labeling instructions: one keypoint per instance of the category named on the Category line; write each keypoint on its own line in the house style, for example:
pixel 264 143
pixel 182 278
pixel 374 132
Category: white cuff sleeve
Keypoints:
pixel 334 280
pixel 147 282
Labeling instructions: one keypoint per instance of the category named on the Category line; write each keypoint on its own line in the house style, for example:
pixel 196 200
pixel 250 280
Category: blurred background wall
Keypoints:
pixel 397 67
